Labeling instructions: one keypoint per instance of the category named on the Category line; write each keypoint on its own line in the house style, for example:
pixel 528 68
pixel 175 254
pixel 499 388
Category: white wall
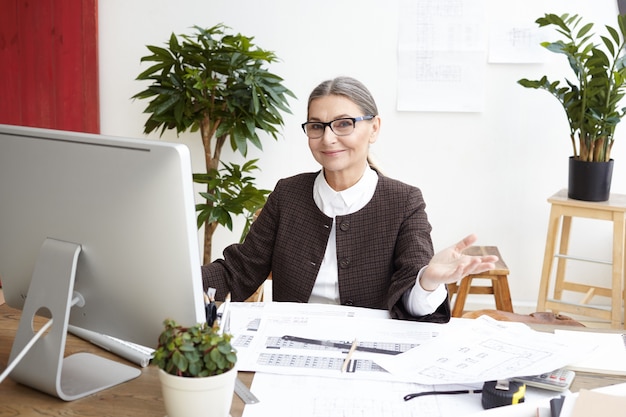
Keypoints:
pixel 488 173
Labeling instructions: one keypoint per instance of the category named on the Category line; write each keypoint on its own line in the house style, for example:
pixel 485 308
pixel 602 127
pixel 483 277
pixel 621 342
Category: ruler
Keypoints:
pixel 244 392
pixel 340 345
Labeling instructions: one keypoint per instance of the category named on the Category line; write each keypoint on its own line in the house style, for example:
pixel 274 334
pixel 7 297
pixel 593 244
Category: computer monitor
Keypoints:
pixel 107 222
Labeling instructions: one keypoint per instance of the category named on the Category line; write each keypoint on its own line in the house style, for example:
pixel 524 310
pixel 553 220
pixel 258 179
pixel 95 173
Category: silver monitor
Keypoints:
pixel 101 223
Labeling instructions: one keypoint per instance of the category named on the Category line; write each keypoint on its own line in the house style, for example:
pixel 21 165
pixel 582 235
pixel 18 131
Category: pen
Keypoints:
pixel 346 361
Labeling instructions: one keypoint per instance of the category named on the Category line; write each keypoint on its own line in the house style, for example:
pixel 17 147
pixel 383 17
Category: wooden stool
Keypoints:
pixel 613 210
pixel 499 283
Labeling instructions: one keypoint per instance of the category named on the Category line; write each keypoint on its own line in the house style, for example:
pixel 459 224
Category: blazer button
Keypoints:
pixel 349 303
pixel 344 263
pixel 344 226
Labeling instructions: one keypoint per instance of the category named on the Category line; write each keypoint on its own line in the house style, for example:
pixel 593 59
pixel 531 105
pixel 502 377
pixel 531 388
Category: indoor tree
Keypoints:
pixel 218 83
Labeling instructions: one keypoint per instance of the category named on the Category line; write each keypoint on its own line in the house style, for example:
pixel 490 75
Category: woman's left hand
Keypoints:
pixel 451 265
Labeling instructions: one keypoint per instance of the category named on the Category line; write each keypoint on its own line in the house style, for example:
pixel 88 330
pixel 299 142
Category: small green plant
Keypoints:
pixel 591 100
pixel 196 351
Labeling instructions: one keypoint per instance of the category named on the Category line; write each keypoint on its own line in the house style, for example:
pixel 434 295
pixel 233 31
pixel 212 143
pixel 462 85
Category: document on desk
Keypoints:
pixel 271 338
pixel 484 349
pixel 460 352
pixel 310 396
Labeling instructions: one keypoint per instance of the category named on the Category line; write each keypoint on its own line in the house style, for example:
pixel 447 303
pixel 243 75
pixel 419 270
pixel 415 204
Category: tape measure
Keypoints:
pixel 494 393
pixel 500 393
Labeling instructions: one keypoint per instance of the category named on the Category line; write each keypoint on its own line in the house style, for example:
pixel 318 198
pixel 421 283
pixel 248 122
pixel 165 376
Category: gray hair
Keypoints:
pixel 350 88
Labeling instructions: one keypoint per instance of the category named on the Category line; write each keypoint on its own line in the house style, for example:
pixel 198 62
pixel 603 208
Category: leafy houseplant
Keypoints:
pixel 592 99
pixel 216 82
pixel 197 351
pixel 197 370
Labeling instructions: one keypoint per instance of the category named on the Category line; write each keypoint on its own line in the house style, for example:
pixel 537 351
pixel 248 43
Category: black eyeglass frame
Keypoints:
pixel 329 124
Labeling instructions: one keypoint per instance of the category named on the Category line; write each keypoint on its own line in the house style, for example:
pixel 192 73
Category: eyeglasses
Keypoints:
pixel 340 127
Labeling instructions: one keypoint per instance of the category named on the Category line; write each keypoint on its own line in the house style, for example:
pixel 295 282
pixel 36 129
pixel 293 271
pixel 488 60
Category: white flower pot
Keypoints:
pixel 198 397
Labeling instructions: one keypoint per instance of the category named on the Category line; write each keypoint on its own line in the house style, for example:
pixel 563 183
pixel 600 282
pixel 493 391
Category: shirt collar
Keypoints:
pixel 352 199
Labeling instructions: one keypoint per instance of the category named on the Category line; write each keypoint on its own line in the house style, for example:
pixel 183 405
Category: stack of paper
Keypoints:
pixel 608 358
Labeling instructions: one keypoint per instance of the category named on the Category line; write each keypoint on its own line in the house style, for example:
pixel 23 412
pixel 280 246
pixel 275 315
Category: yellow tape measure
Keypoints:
pixel 500 393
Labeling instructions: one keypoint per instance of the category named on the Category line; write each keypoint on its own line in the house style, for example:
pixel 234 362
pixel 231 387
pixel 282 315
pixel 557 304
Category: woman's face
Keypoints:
pixel 343 157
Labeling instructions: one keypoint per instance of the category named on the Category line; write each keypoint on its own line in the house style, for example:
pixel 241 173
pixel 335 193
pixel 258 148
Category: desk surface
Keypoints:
pixel 139 397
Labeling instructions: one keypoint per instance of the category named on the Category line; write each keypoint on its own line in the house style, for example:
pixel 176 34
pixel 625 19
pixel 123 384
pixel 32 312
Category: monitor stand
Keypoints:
pixel 44 368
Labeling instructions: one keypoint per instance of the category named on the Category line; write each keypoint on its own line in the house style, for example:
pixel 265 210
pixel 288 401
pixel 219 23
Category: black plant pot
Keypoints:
pixel 589 181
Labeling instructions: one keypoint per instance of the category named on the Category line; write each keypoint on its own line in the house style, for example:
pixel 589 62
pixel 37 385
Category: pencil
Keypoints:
pixel 346 361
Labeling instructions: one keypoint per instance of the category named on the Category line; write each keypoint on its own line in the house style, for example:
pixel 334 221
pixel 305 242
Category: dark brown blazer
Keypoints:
pixel 380 248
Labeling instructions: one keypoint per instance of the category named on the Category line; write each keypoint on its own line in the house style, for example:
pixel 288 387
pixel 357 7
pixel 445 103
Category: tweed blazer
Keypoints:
pixel 380 248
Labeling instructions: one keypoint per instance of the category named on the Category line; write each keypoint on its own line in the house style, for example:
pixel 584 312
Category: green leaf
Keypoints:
pixel 180 361
pixel 218 358
pixel 590 99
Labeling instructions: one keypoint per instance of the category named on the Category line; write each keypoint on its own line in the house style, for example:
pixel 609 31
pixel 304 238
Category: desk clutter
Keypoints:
pixel 314 339
pixel 293 377
pixel 299 353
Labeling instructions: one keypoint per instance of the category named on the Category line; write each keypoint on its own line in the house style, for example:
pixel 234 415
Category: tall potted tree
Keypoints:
pixel 218 83
pixel 591 101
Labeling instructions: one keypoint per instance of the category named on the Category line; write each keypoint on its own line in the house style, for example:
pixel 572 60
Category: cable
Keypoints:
pixel 494 393
pixel 25 350
pixel 422 394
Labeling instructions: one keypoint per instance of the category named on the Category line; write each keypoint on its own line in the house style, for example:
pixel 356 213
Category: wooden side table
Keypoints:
pixel 499 283
pixel 613 210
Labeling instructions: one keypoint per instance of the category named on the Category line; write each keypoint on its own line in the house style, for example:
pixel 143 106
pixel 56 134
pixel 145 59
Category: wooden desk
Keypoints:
pixel 139 397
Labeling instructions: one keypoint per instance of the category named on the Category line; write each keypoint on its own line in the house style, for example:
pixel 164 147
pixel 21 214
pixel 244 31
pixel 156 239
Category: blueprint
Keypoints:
pixel 460 352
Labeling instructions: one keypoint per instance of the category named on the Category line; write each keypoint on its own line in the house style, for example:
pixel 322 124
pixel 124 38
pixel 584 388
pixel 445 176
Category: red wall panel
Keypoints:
pixel 10 99
pixel 49 64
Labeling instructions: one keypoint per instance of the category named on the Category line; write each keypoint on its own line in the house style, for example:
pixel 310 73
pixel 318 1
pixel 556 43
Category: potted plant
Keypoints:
pixel 197 370
pixel 216 82
pixel 591 100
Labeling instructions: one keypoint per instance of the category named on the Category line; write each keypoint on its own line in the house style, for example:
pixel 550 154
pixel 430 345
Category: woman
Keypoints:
pixel 346 234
